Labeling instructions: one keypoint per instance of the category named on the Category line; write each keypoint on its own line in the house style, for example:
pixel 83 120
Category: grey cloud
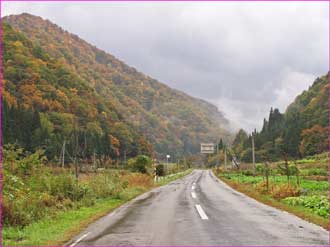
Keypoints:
pixel 243 57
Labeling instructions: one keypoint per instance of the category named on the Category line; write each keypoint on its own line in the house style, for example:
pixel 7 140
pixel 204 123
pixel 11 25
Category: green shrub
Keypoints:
pixel 248 173
pixel 140 164
pixel 160 170
pixel 108 184
pixel 12 213
pixel 317 204
pixel 260 168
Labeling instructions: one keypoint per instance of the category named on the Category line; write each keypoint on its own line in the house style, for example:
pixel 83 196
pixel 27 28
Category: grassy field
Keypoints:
pixel 304 194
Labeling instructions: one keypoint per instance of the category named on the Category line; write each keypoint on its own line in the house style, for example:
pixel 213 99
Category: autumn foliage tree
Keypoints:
pixel 314 140
pixel 301 131
pixel 97 82
pixel 47 105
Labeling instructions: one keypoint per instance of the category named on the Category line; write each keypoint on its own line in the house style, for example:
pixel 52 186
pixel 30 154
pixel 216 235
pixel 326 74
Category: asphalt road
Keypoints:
pixel 199 210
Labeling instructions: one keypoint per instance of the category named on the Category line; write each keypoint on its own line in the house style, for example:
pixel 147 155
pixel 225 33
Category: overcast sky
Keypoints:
pixel 244 57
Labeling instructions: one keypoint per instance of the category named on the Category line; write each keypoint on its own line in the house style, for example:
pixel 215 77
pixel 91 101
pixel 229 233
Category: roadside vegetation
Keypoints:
pixel 42 203
pixel 300 187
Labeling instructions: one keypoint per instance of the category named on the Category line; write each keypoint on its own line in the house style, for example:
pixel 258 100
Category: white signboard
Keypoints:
pixel 207 148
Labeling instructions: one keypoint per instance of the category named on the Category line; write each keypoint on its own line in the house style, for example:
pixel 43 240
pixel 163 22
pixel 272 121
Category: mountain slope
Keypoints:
pixel 307 119
pixel 172 121
pixel 45 104
pixel 301 131
pixel 312 104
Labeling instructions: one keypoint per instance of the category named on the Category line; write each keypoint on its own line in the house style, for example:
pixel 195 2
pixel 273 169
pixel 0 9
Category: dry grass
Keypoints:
pixel 319 165
pixel 317 178
pixel 138 180
pixel 284 190
pixel 277 191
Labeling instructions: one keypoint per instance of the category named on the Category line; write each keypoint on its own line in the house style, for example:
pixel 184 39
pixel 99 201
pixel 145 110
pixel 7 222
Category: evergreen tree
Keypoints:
pixel 220 144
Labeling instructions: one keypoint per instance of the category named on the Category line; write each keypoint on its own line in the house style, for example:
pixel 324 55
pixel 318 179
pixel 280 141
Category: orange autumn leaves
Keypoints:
pixel 314 140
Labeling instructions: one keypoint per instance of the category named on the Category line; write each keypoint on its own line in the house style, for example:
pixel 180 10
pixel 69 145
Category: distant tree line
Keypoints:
pixel 33 130
pixel 279 137
pixel 301 131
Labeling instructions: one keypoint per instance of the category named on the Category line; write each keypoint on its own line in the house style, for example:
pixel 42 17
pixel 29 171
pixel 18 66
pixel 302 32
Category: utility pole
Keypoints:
pixel 253 157
pixel 63 154
pixel 167 157
pixel 94 161
pixel 225 149
pixel 217 165
pixel 75 148
pixel 125 155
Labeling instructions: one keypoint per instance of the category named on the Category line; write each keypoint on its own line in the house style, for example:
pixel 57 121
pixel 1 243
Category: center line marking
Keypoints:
pixel 201 212
pixel 193 195
pixel 79 239
pixel 193 187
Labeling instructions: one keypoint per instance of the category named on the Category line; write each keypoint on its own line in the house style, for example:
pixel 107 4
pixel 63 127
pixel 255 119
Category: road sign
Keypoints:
pixel 207 148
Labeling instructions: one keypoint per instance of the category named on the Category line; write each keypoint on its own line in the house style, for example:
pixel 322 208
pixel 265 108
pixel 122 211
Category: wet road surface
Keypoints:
pixel 199 210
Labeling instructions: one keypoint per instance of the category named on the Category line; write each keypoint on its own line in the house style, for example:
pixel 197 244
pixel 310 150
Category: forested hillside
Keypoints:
pixel 45 104
pixel 301 131
pixel 171 121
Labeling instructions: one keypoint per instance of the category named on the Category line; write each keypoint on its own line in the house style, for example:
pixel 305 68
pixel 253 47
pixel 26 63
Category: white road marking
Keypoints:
pixel 193 187
pixel 79 239
pixel 201 212
pixel 193 195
